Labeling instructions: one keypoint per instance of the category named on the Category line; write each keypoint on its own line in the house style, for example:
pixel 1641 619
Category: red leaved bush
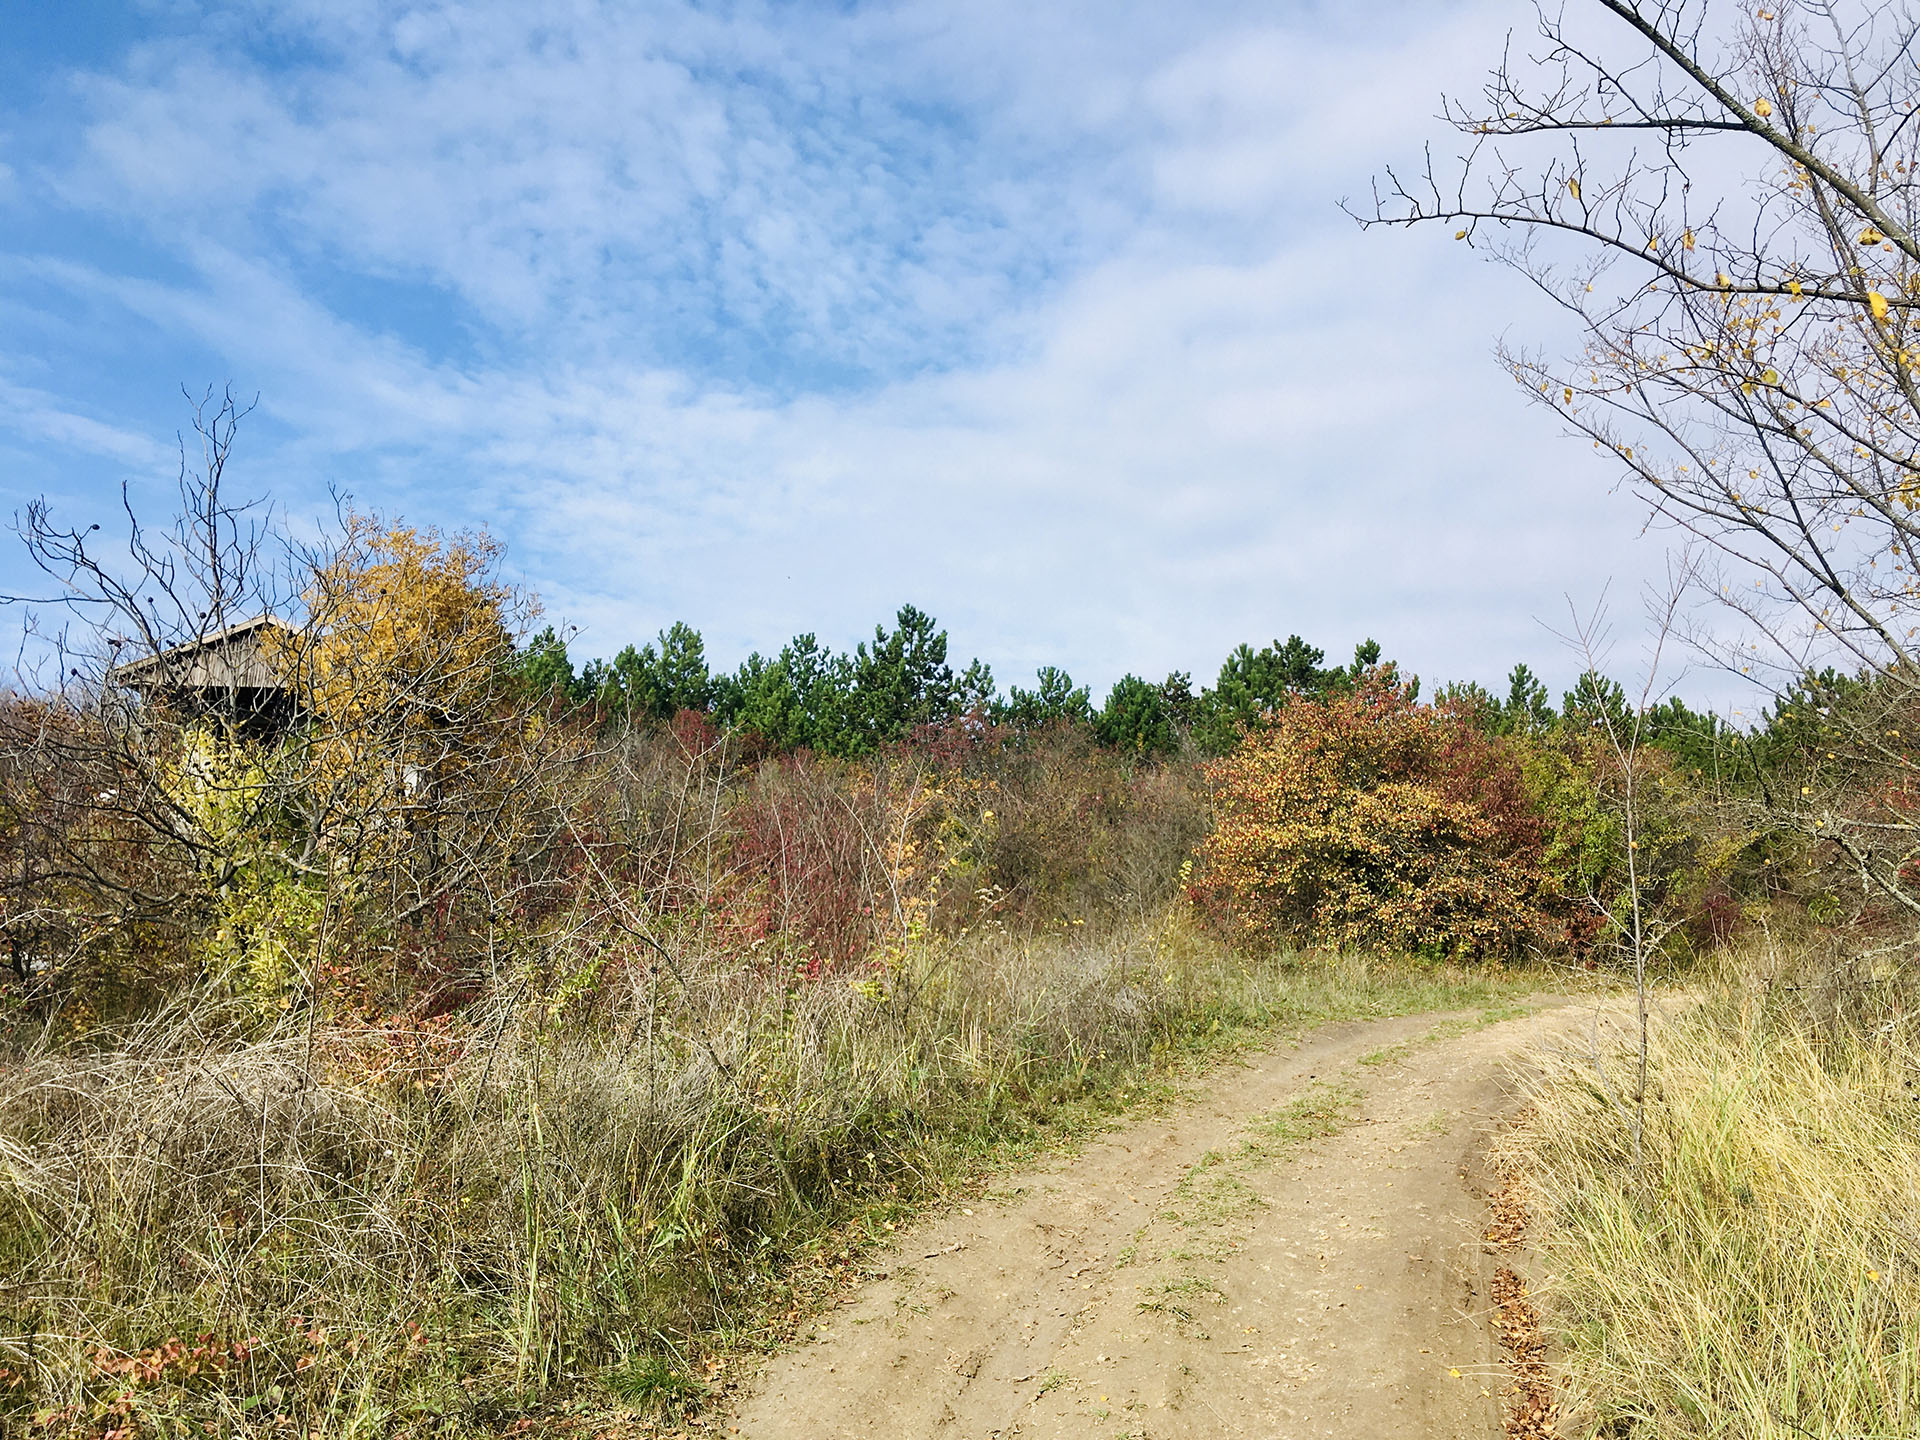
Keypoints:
pixel 805 864
pixel 1368 820
pixel 826 856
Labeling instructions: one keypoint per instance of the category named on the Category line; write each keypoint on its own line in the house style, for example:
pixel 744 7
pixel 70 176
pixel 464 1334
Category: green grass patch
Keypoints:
pixel 654 1385
pixel 1326 1109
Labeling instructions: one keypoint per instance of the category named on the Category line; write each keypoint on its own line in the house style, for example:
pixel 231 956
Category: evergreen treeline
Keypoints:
pixel 847 704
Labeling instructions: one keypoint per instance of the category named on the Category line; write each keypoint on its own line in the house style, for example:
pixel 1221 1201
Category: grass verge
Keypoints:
pixel 1756 1271
pixel 574 1205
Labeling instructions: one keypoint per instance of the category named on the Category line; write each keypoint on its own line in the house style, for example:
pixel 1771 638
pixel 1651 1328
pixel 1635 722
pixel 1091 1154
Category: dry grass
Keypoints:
pixel 570 1198
pixel 1758 1274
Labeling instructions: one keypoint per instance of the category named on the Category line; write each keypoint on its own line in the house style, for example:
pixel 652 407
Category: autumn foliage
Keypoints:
pixel 461 1036
pixel 1368 820
pixel 407 636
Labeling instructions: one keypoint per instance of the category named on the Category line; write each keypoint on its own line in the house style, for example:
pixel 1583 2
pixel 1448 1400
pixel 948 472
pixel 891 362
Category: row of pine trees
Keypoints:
pixel 810 697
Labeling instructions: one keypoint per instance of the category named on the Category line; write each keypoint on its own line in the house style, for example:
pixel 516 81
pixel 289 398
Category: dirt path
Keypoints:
pixel 1297 1252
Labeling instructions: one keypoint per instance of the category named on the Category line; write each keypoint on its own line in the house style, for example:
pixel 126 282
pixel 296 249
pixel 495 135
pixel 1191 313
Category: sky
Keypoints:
pixel 772 317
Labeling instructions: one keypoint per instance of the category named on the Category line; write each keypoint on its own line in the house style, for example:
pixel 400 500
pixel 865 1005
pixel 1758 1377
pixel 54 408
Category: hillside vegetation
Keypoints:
pixel 471 1040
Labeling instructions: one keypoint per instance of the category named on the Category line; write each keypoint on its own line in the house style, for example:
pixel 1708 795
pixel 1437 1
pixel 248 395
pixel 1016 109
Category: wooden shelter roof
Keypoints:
pixel 231 659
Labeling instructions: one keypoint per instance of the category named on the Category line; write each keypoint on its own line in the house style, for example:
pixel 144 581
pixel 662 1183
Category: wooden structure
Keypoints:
pixel 227 674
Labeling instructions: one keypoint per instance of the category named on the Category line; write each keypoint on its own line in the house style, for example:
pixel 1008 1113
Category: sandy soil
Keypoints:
pixel 1297 1251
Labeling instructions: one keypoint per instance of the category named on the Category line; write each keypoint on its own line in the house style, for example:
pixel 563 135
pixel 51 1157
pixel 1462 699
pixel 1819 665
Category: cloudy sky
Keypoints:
pixel 1043 317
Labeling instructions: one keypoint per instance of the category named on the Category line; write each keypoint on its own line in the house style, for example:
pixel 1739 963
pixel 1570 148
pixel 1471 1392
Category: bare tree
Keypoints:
pixel 392 794
pixel 212 567
pixel 101 854
pixel 1723 201
pixel 1636 920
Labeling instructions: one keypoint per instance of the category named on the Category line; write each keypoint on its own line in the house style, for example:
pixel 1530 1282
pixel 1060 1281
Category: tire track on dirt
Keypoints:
pixel 1294 1252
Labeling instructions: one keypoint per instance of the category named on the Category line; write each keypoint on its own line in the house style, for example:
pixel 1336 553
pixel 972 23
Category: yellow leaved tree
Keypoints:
pixel 406 647
pixel 422 764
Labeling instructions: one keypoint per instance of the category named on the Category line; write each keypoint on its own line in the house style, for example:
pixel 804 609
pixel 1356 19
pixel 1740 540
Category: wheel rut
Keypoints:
pixel 1295 1251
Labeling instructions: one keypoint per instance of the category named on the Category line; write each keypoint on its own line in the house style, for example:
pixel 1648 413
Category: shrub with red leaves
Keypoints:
pixel 1369 820
pixel 816 857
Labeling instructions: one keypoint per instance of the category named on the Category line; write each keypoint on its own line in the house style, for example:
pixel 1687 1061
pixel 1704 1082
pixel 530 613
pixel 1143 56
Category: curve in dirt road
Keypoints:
pixel 1295 1252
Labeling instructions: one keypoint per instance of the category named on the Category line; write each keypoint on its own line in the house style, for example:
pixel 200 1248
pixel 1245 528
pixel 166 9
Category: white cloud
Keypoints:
pixel 41 416
pixel 670 171
pixel 1041 317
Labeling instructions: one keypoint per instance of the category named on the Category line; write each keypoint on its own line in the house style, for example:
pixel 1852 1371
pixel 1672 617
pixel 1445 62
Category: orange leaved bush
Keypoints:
pixel 1367 820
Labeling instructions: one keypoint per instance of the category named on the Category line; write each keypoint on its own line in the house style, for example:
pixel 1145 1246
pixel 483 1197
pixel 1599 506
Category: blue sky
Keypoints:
pixel 773 316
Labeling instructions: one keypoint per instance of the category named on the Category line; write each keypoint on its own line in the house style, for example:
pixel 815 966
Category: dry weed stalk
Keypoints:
pixel 443 1215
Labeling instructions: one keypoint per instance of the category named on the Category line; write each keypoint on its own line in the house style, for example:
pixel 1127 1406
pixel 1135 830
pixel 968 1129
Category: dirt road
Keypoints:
pixel 1296 1252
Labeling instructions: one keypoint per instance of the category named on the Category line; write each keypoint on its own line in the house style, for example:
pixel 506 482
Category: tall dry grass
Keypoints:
pixel 574 1190
pixel 1758 1274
